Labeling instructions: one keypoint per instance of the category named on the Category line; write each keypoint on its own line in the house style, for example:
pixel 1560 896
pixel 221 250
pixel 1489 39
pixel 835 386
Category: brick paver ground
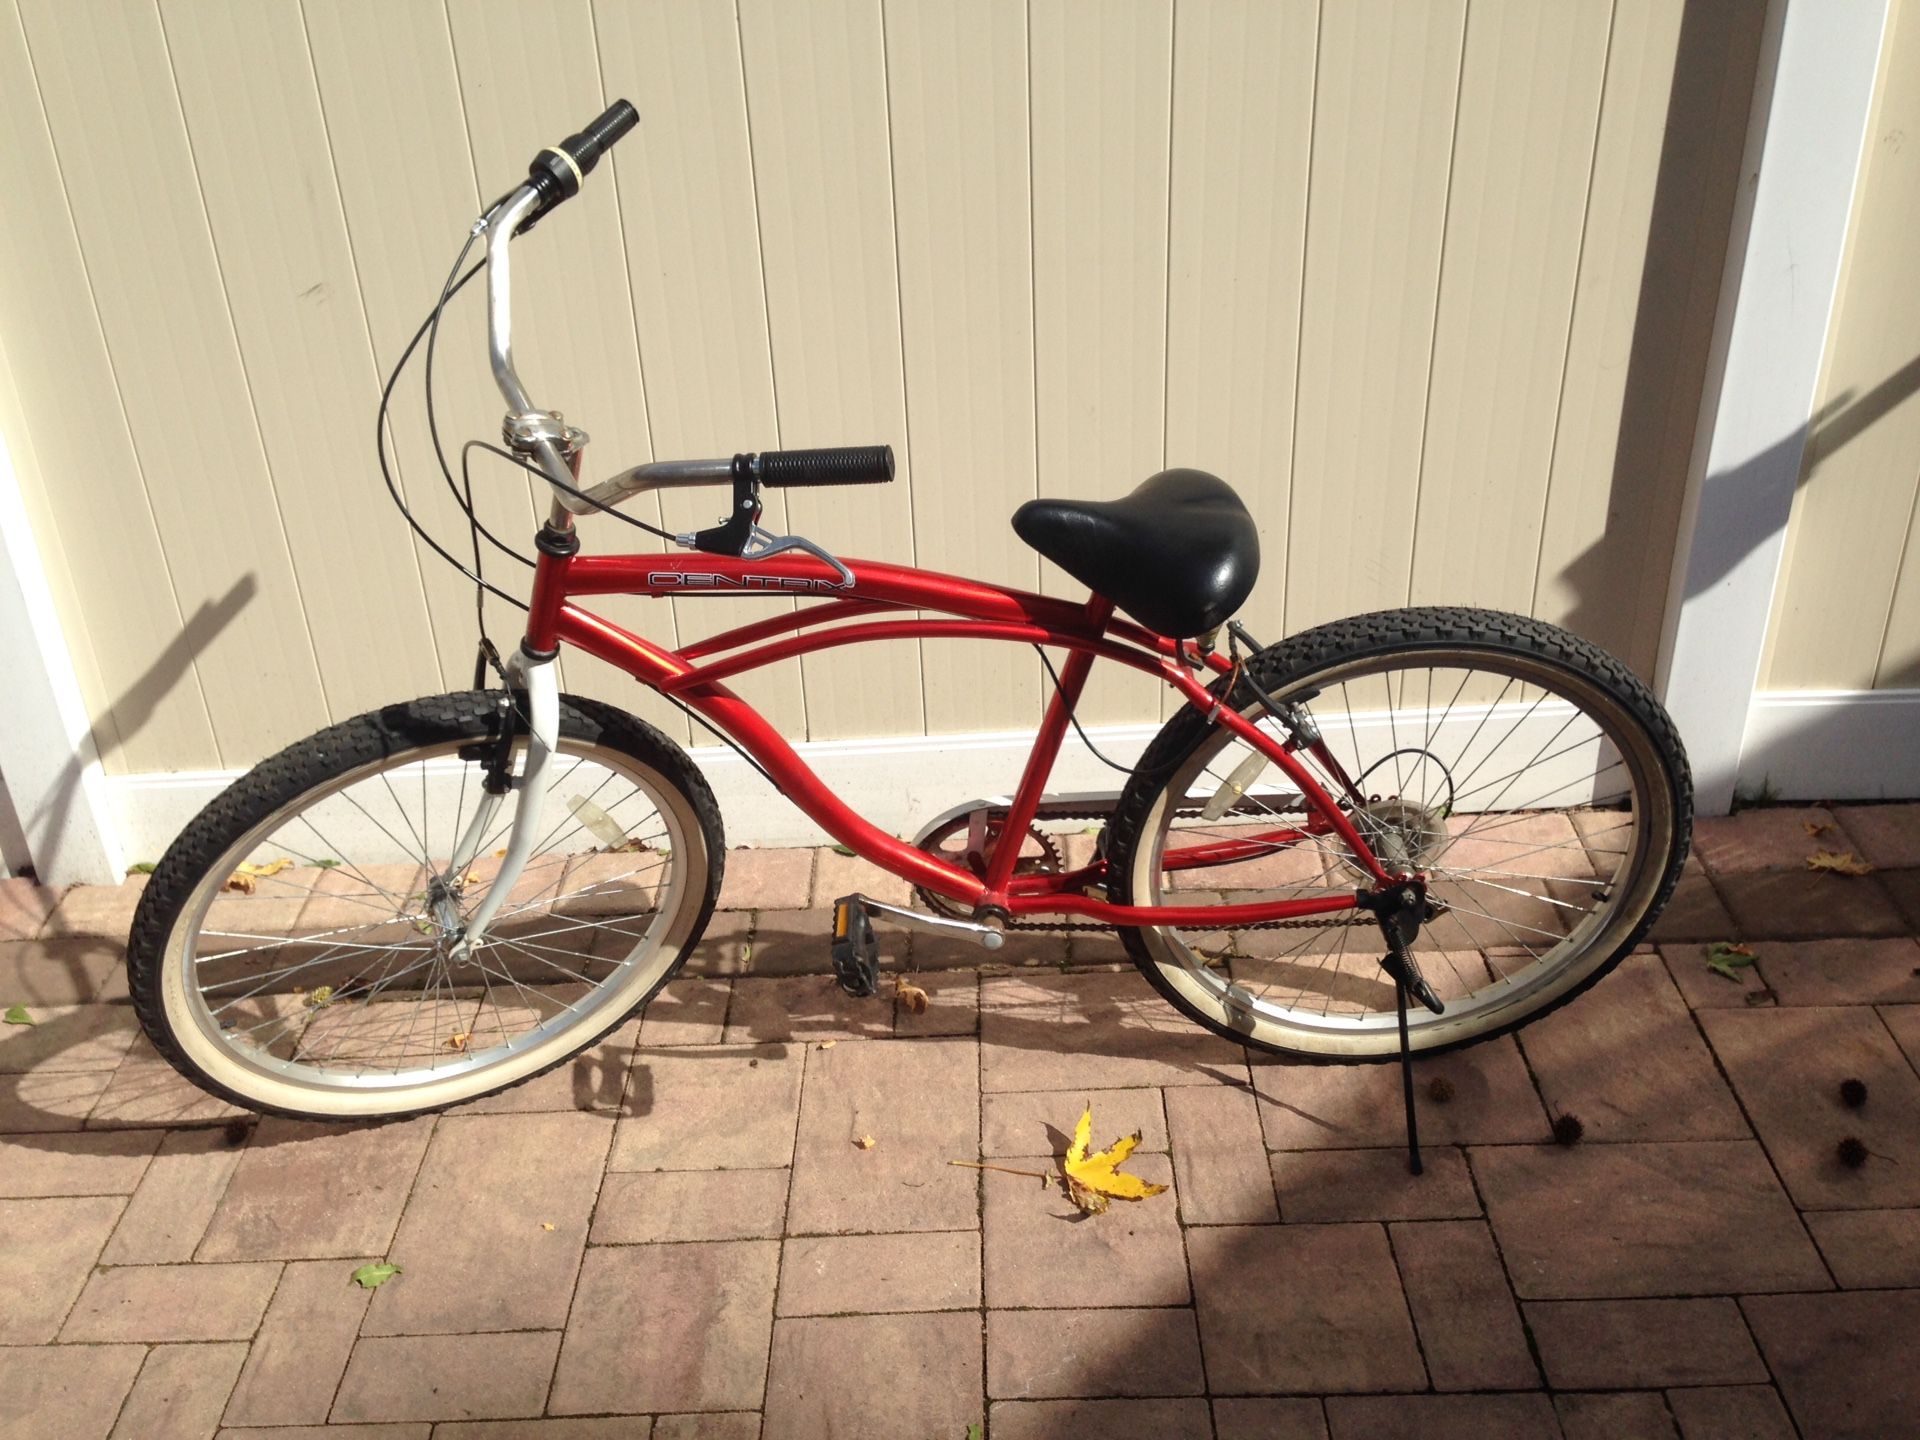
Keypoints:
pixel 677 1235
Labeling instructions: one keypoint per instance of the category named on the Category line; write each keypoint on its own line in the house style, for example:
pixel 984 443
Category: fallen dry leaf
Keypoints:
pixel 245 879
pixel 1816 828
pixel 1094 1179
pixel 546 1224
pixel 320 996
pixel 911 996
pixel 459 1041
pixel 828 1044
pixel 1840 862
pixel 865 1142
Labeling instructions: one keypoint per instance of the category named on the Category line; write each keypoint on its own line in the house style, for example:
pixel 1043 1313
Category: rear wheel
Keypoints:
pixel 294 953
pixel 1534 779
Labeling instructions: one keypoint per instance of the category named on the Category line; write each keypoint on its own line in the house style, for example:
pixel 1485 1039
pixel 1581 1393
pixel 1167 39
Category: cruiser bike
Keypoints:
pixel 451 895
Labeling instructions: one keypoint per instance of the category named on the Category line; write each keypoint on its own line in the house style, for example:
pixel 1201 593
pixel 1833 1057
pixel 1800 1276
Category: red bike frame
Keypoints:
pixel 1089 631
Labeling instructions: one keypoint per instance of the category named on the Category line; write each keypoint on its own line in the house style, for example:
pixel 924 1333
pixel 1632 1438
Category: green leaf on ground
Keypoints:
pixel 843 850
pixel 328 864
pixel 17 1015
pixel 372 1277
pixel 140 867
pixel 1727 960
pixel 976 1431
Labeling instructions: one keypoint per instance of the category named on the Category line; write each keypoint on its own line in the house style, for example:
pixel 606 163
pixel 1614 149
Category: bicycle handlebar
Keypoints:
pixel 557 172
pixel 845 465
pixel 553 178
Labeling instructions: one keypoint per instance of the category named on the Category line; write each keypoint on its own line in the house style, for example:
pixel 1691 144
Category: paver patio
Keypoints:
pixel 676 1235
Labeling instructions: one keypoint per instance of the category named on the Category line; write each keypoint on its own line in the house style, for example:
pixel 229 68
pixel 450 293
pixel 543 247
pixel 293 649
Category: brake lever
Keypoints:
pixel 772 544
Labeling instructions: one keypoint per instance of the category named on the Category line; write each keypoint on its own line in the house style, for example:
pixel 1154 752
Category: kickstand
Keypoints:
pixel 1406 1082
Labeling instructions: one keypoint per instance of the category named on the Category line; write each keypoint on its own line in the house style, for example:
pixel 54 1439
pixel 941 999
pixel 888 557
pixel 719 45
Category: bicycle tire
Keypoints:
pixel 304 771
pixel 1420 633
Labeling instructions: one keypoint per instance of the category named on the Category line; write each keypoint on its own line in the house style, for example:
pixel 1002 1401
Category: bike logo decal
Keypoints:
pixel 699 580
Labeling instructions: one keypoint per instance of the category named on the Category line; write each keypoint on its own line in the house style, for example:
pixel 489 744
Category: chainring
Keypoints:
pixel 1050 860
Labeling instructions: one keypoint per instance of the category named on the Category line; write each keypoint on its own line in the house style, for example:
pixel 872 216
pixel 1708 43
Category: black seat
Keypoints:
pixel 1179 554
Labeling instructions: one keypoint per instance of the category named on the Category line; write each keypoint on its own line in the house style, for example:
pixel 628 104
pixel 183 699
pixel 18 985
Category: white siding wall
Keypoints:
pixel 1431 284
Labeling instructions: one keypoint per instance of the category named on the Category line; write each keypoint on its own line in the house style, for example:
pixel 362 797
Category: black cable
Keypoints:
pixel 599 505
pixel 448 291
pixel 463 493
pixel 1110 764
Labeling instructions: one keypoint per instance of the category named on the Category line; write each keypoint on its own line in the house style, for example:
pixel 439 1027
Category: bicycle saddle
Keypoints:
pixel 1179 554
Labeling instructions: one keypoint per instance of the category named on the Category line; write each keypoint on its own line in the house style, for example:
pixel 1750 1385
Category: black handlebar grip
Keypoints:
pixel 847 465
pixel 556 178
pixel 591 143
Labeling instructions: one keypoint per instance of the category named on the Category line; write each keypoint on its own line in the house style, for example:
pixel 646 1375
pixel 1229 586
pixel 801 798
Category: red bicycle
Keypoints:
pixel 451 895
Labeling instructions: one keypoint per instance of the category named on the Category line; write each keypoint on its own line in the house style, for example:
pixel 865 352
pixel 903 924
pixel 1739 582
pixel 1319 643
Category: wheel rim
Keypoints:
pixel 1528 920
pixel 359 1005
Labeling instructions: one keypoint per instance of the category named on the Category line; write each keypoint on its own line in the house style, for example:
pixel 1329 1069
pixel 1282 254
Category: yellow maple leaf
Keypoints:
pixel 1092 1179
pixel 1840 862
pixel 1815 828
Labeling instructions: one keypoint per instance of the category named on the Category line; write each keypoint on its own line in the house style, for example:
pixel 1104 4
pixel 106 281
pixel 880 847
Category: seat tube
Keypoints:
pixel 1046 747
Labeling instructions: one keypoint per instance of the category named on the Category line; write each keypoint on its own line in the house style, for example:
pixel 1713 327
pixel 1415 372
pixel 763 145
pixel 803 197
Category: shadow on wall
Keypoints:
pixel 135 706
pixel 1694 197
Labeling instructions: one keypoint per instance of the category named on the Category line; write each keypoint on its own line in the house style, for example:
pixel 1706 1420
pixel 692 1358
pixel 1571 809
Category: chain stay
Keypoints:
pixel 1091 926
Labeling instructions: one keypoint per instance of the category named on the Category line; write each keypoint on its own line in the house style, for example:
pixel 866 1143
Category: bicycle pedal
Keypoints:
pixel 856 954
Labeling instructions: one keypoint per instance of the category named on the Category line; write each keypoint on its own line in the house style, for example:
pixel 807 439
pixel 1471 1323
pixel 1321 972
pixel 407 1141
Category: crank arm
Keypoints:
pixel 987 937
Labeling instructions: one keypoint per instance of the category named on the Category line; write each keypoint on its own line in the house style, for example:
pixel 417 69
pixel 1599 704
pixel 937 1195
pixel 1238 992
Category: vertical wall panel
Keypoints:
pixel 1383 126
pixel 78 471
pixel 1523 147
pixel 1432 285
pixel 1584 582
pixel 816 104
pixel 573 326
pixel 693 257
pixel 405 223
pixel 1666 169
pixel 110 99
pixel 1847 610
pixel 957 85
pixel 1242 146
pixel 1101 97
pixel 282 243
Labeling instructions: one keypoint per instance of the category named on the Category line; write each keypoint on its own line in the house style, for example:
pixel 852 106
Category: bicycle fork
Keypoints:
pixel 535 679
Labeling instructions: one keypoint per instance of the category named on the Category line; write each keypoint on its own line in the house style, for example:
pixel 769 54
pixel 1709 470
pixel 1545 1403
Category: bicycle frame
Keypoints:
pixel 1088 631
pixel 693 675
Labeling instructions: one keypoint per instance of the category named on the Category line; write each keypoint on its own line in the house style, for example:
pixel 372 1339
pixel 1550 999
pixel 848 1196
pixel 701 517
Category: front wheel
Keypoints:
pixel 295 949
pixel 1535 780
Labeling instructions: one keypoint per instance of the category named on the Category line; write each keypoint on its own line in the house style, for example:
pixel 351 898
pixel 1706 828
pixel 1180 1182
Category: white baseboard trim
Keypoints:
pixel 902 783
pixel 898 784
pixel 1832 745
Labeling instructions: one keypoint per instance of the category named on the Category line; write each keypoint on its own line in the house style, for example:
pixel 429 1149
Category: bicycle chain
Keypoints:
pixel 1305 923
